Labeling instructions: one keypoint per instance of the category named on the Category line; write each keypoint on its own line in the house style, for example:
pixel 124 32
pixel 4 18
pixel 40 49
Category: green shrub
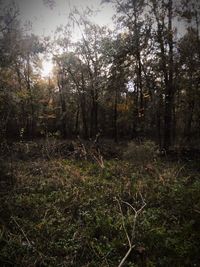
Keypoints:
pixel 141 153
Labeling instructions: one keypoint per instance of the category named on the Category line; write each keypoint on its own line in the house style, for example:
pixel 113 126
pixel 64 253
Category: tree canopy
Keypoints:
pixel 139 80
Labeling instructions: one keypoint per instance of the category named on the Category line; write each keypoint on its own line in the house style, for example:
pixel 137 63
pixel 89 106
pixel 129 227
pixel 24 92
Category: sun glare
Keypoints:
pixel 47 67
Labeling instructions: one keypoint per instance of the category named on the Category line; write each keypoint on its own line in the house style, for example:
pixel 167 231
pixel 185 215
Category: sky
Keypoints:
pixel 44 19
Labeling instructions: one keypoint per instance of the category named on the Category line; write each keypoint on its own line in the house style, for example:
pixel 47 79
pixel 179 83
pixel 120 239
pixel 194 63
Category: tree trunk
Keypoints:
pixel 115 117
pixel 169 96
pixel 63 108
pixel 28 81
pixel 77 122
pixel 84 119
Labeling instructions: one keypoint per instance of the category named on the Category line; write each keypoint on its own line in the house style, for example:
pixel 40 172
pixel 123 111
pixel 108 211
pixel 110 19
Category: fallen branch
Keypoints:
pixel 126 256
pixel 22 231
pixel 92 151
pixel 130 239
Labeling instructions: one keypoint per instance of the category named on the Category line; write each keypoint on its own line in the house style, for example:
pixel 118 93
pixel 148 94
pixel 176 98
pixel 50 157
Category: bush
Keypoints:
pixel 141 153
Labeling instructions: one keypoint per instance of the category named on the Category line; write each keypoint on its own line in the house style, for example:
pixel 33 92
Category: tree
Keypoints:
pixel 19 64
pixel 72 81
pixel 89 50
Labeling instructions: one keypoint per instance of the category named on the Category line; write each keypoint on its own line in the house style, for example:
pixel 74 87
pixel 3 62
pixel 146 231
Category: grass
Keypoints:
pixel 67 212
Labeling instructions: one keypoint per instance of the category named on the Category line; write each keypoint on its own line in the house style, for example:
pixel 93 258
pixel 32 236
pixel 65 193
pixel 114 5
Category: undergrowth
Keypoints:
pixel 67 212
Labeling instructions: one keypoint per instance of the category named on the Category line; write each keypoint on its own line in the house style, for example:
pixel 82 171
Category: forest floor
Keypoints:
pixel 61 207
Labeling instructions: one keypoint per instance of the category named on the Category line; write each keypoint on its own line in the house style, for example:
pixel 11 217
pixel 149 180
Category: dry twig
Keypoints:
pixel 131 237
pixel 22 231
